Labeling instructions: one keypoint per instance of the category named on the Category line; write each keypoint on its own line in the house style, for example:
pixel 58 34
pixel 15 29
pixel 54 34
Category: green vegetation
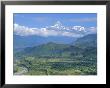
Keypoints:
pixel 54 66
pixel 58 59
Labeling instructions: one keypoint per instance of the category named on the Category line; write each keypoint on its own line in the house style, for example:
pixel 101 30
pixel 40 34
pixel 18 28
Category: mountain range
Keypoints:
pixel 57 33
pixel 52 49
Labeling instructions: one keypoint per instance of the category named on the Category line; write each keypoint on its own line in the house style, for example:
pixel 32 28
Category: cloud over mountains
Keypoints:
pixel 56 30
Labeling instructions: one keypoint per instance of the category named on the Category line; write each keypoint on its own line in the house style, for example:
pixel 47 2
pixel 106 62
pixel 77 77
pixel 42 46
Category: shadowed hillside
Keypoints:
pixel 59 59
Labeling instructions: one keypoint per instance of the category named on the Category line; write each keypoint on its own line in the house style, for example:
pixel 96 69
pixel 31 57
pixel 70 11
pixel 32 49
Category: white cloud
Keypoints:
pixel 45 32
pixel 70 34
pixel 23 31
pixel 83 19
pixel 91 30
pixel 40 19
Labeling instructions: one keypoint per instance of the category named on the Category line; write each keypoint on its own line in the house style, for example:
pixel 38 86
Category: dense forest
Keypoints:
pixel 77 58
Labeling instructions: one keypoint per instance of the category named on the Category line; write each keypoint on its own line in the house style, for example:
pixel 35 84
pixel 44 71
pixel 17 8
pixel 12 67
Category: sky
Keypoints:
pixel 26 24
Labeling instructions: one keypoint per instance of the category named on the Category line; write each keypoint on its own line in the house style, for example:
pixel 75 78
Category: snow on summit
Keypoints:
pixel 58 29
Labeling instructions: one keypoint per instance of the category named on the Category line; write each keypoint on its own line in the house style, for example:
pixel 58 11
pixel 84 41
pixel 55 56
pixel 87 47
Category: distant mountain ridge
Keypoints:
pixel 57 33
pixel 87 41
pixel 30 41
pixel 51 49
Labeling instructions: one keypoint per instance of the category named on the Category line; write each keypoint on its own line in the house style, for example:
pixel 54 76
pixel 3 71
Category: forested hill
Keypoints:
pixel 80 47
pixel 51 58
pixel 87 41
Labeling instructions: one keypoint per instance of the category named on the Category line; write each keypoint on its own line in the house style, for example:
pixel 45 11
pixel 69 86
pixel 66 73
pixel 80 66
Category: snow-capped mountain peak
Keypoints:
pixel 58 24
pixel 56 29
pixel 79 28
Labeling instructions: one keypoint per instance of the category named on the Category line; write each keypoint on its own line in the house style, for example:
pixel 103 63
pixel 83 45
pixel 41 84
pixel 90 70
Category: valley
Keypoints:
pixel 79 58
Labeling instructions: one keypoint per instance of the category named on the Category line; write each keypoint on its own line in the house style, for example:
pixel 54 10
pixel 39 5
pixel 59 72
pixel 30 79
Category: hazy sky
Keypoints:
pixel 46 19
pixel 26 24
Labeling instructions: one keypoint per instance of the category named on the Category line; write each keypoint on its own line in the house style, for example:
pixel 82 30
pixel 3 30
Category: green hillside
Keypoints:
pixel 87 41
pixel 59 59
